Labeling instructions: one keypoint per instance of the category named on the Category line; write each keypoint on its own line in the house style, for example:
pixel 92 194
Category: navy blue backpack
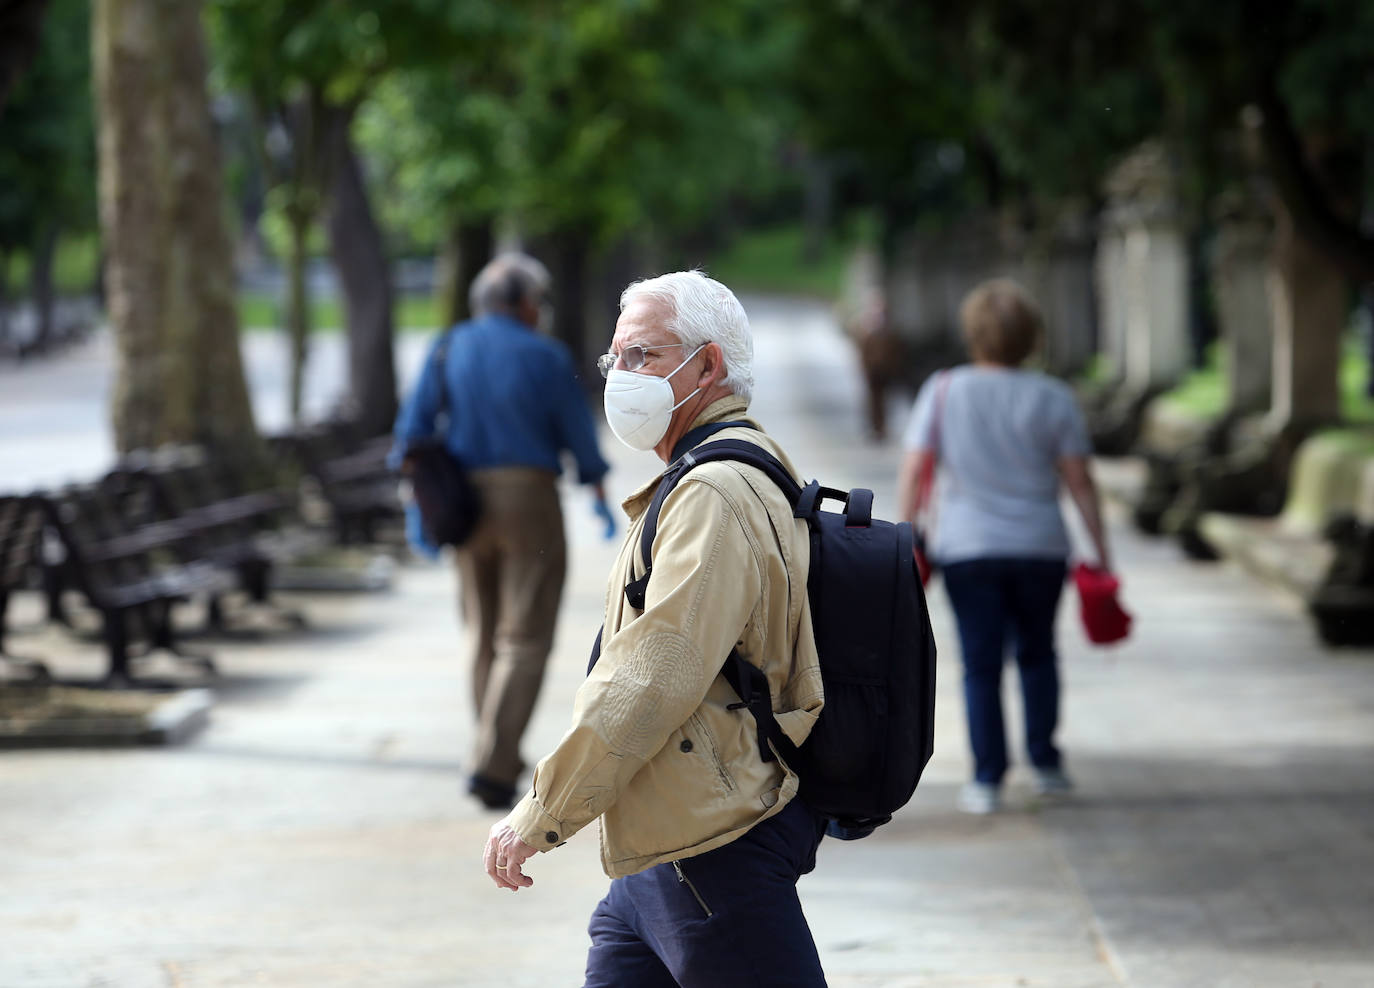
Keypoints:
pixel 876 732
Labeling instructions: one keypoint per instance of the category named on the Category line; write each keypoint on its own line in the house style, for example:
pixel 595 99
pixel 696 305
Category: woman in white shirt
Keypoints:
pixel 1005 440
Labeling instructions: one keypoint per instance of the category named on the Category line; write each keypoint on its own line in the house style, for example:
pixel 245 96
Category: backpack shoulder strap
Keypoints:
pixel 722 449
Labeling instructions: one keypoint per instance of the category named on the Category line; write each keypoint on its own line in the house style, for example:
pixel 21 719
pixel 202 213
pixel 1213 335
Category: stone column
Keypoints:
pixel 1109 274
pixel 915 302
pixel 1241 270
pixel 1153 260
pixel 1068 298
pixel 1156 264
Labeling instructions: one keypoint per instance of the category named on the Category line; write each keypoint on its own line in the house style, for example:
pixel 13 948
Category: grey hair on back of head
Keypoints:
pixel 506 281
pixel 702 310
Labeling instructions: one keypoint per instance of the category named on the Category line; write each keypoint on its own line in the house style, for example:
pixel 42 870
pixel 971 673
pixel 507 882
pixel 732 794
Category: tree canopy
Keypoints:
pixel 47 156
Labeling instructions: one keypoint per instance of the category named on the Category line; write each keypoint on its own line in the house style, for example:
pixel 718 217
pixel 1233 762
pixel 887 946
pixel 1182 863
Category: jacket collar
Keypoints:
pixel 500 319
pixel 725 409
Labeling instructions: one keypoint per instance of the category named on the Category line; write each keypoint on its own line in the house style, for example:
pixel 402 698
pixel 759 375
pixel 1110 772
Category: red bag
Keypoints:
pixel 1104 620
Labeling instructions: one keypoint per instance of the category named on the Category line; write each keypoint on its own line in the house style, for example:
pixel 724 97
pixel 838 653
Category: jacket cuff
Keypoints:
pixel 536 826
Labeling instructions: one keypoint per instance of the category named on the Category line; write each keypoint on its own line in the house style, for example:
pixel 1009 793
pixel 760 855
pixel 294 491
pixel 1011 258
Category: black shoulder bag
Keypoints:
pixel 449 503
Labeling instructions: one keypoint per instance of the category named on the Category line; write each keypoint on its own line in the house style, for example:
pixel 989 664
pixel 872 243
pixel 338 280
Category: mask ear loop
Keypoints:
pixel 678 368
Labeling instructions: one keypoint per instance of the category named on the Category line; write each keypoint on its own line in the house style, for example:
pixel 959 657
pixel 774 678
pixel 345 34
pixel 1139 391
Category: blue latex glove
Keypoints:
pixel 603 511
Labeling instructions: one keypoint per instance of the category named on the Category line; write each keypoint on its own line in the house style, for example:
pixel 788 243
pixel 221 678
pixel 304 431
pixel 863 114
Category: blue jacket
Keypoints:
pixel 513 400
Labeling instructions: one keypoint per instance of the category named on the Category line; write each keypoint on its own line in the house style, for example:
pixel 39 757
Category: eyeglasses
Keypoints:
pixel 632 357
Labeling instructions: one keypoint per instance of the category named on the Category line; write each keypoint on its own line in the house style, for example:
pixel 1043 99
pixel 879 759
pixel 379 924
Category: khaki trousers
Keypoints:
pixel 511 575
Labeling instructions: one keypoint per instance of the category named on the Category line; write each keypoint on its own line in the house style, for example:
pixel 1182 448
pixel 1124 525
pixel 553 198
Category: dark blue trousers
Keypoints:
pixel 729 917
pixel 997 601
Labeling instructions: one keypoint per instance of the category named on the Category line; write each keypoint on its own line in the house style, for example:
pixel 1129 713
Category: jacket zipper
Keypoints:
pixel 677 867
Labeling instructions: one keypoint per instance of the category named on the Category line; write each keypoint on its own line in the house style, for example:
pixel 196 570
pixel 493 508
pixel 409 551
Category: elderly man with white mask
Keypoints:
pixel 704 840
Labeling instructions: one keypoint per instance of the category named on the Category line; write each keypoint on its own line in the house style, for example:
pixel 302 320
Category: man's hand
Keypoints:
pixel 504 854
pixel 603 511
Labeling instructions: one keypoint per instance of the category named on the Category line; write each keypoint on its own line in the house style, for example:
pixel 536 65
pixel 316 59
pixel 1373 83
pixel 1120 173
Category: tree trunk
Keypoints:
pixel 818 206
pixel 297 307
pixel 467 249
pixel 568 251
pixel 1322 212
pixel 40 284
pixel 1309 298
pixel 304 182
pixel 356 245
pixel 170 276
pixel 4 300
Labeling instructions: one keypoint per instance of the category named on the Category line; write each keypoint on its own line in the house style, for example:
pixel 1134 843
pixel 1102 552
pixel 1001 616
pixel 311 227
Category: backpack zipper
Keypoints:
pixel 677 867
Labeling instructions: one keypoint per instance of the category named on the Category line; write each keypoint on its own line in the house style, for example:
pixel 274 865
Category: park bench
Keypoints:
pixel 227 521
pixel 1321 546
pixel 349 474
pixel 133 575
pixel 21 537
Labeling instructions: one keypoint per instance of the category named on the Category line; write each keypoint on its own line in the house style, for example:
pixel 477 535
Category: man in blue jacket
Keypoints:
pixel 513 406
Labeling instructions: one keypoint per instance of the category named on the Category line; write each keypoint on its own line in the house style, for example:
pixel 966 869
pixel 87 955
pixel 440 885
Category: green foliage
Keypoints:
pixel 297 63
pixel 932 110
pixel 936 110
pixel 614 117
pixel 1357 405
pixel 645 113
pixel 271 48
pixel 417 312
pixel 47 154
pixel 275 227
pixel 1202 394
pixel 774 260
pixel 435 149
pixel 1099 370
pixel 76 266
pixel 262 311
pixel 603 117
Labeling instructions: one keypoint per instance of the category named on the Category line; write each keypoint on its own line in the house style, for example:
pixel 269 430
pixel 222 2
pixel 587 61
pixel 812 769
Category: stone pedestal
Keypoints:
pixel 1156 267
pixel 1109 274
pixel 930 275
pixel 1066 295
pixel 1142 270
pixel 915 297
pixel 1241 270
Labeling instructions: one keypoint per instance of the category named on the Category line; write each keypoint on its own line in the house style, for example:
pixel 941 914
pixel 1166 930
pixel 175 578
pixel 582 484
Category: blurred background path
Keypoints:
pixel 317 832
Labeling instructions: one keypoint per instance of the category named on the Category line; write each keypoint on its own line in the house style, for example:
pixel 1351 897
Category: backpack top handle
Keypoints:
pixel 858 504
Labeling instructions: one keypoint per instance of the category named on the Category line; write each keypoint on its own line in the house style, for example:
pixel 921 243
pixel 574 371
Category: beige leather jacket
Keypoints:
pixel 654 748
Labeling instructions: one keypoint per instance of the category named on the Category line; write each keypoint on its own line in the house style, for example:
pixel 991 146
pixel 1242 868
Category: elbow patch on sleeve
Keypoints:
pixel 655 677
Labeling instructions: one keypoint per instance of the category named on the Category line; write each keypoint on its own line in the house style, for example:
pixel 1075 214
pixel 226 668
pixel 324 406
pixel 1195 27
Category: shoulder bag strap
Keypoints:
pixel 925 483
pixel 441 367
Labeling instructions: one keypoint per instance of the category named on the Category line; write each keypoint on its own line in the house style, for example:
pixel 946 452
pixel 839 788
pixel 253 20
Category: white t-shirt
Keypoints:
pixel 1000 433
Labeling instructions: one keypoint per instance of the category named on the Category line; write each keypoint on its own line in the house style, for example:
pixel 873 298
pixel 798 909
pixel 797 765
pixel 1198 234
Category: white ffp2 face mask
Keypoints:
pixel 640 406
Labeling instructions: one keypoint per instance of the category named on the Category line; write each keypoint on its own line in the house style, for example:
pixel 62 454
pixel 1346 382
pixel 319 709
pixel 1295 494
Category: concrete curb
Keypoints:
pixel 173 721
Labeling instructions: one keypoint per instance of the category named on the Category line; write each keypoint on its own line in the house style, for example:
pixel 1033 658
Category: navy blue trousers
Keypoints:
pixel 997 602
pixel 729 917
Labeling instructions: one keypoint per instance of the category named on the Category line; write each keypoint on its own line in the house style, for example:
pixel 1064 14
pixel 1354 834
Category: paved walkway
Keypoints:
pixel 317 835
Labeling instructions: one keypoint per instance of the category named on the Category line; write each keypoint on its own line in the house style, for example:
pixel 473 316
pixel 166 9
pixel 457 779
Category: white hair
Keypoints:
pixel 702 311
pixel 506 281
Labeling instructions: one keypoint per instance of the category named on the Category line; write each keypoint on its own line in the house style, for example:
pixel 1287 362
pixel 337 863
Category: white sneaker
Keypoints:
pixel 1052 782
pixel 980 798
